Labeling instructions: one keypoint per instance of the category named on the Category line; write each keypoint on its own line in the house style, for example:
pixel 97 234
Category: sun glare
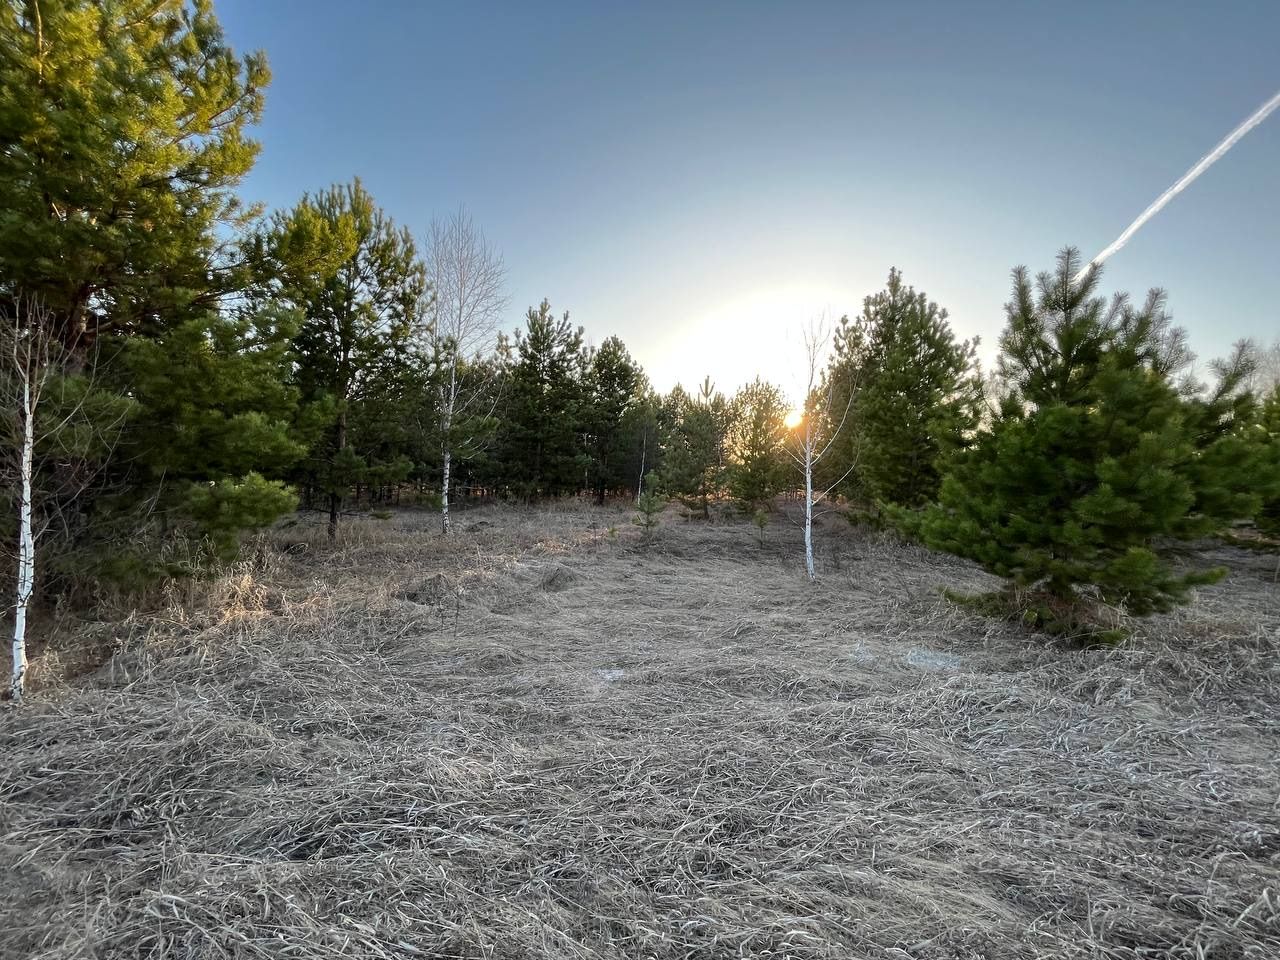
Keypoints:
pixel 794 419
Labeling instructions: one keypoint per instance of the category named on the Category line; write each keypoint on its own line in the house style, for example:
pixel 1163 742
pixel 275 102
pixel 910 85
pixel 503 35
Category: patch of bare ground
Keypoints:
pixel 545 739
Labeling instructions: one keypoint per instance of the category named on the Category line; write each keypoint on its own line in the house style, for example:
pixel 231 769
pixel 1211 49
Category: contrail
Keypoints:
pixel 1205 163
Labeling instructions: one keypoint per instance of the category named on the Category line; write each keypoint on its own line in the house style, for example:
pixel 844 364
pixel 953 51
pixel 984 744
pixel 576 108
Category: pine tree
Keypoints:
pixel 216 430
pixel 649 507
pixel 756 441
pixel 915 394
pixel 1268 514
pixel 363 293
pixel 124 127
pixel 541 417
pixel 1094 461
pixel 613 382
pixel 694 447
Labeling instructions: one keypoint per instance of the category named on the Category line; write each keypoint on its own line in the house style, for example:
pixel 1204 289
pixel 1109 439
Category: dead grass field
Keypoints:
pixel 544 740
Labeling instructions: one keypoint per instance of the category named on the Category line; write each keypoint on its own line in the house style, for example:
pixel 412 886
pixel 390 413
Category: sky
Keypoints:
pixel 703 180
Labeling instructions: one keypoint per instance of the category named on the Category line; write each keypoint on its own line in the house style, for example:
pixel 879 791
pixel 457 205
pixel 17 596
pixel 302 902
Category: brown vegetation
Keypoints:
pixel 542 738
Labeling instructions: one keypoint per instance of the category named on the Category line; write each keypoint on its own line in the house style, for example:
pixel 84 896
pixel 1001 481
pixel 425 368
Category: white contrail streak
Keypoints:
pixel 1205 163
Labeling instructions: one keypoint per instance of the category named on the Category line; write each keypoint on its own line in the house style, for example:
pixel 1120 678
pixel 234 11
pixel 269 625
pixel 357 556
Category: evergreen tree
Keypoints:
pixel 362 294
pixel 125 130
pixel 756 439
pixel 216 426
pixel 124 127
pixel 612 385
pixel 649 506
pixel 694 450
pixel 642 452
pixel 1094 462
pixel 542 414
pixel 912 392
pixel 1268 516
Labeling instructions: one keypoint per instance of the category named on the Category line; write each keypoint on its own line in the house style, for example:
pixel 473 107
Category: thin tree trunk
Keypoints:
pixel 808 503
pixel 644 450
pixel 444 492
pixel 335 498
pixel 26 550
pixel 447 442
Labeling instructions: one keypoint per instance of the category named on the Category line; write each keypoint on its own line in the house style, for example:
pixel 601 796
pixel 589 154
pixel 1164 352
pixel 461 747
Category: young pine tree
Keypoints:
pixel 915 394
pixel 612 388
pixel 756 441
pixel 1094 462
pixel 649 507
pixel 694 463
pixel 1268 516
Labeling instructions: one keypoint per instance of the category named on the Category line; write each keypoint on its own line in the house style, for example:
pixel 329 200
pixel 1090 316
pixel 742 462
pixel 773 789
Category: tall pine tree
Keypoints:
pixel 542 414
pixel 362 293
pixel 612 385
pixel 758 461
pixel 125 130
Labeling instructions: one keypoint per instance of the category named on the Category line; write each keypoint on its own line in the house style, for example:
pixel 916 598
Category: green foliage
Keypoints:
pixel 755 437
pixel 213 396
pixel 362 291
pixel 695 456
pixel 1095 461
pixel 125 131
pixel 1267 434
pixel 613 389
pixel 640 448
pixel 539 444
pixel 649 507
pixel 911 392
pixel 124 127
pixel 222 510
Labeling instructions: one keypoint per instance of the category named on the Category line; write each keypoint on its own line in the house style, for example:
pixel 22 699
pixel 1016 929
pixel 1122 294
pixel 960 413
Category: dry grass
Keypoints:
pixel 542 740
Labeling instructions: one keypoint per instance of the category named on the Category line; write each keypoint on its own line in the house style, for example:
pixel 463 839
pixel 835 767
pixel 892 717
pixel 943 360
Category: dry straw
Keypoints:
pixel 674 750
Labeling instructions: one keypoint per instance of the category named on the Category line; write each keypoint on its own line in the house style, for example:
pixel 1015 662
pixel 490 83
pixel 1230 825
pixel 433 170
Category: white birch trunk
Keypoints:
pixel 447 427
pixel 808 501
pixel 444 491
pixel 644 450
pixel 26 549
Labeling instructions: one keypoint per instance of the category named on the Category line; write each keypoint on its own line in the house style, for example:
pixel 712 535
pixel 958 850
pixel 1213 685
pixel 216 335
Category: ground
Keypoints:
pixel 546 738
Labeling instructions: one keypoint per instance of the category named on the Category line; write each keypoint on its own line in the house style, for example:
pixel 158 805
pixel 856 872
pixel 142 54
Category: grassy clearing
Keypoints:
pixel 544 740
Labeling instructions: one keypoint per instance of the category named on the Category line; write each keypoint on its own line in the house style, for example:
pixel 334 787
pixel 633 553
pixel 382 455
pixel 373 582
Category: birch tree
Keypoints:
pixel 57 435
pixel 815 436
pixel 468 276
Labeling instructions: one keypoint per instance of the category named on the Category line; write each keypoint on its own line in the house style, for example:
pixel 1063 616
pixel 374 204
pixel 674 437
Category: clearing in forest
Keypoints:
pixel 544 739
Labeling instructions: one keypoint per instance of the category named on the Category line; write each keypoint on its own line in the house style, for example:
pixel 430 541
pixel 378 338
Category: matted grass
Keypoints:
pixel 542 739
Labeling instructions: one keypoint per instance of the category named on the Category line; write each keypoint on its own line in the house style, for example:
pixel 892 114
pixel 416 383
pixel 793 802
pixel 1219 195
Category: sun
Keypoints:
pixel 794 419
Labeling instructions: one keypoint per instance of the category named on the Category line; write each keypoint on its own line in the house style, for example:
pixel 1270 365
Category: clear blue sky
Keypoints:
pixel 701 179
